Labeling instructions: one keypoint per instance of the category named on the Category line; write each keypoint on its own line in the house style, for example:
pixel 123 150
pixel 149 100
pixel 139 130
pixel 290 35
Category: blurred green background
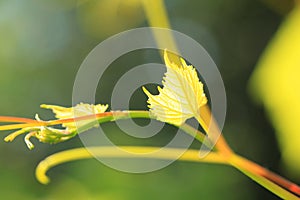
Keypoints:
pixel 43 43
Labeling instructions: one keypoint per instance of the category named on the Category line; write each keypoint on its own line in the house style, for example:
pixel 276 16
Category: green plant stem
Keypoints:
pixel 114 152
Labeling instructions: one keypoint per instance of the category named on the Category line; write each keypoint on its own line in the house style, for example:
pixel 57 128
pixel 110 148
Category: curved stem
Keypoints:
pixel 114 152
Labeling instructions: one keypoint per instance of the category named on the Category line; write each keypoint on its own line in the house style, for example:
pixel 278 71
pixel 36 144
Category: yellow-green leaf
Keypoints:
pixel 181 96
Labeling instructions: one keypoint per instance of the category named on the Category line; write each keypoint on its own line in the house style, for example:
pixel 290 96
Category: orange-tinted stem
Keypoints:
pixel 32 123
pixel 86 117
pixel 16 119
pixel 259 170
pixel 211 127
pixel 223 148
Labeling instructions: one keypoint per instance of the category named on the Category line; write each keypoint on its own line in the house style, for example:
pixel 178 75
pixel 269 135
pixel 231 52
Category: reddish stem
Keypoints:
pixel 16 119
pixel 224 149
pixel 86 117
pixel 271 176
pixel 32 123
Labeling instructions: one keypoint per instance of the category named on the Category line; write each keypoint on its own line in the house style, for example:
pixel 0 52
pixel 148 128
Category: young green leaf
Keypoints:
pixel 50 135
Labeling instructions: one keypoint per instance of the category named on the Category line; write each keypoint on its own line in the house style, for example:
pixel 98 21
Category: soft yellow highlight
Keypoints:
pixel 157 16
pixel 104 18
pixel 276 83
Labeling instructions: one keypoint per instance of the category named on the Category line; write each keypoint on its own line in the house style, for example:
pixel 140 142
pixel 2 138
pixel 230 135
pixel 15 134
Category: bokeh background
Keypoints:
pixel 43 43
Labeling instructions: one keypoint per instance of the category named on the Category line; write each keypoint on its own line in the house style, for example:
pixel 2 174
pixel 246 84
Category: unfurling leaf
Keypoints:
pixel 182 94
pixel 79 110
pixel 50 135
pixel 42 133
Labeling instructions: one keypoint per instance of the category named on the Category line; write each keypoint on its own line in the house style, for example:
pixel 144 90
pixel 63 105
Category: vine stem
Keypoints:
pixel 146 152
pixel 157 16
pixel 16 119
pixel 105 117
pixel 264 177
pixel 256 172
pixel 114 152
